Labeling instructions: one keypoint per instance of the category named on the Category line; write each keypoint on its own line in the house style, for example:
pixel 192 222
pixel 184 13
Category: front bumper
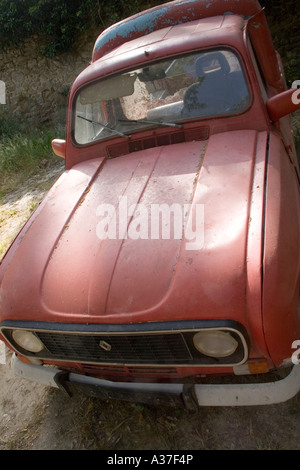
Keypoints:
pixel 190 396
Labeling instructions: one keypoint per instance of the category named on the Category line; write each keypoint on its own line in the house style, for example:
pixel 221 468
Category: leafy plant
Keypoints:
pixel 24 149
pixel 10 124
pixel 58 22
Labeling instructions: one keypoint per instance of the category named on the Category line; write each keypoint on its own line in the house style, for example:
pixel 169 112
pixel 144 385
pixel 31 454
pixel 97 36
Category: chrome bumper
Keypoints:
pixel 179 395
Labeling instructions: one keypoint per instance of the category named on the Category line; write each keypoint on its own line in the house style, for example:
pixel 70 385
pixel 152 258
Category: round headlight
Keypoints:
pixel 27 340
pixel 215 343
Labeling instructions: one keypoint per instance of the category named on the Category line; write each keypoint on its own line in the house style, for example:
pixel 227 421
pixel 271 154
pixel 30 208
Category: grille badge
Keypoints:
pixel 104 345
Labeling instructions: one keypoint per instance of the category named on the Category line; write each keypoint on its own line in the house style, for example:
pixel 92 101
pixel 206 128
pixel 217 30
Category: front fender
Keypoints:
pixel 281 256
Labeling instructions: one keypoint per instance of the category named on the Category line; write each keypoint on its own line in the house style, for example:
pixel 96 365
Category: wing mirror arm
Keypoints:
pixel 59 147
pixel 283 104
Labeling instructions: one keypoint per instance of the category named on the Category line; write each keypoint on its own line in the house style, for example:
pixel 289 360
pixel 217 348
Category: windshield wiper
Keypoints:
pixel 158 123
pixel 104 127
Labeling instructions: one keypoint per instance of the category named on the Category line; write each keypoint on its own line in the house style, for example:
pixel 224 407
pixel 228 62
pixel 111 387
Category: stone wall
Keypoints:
pixel 36 86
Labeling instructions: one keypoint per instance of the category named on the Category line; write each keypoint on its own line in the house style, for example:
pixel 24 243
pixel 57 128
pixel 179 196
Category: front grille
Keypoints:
pixel 142 344
pixel 118 349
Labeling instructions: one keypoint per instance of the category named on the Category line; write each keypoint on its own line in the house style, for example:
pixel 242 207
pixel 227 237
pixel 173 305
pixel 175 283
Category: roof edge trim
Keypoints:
pixel 166 15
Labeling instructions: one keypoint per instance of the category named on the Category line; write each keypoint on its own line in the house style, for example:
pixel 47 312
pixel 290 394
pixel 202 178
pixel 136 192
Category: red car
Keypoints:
pixel 168 252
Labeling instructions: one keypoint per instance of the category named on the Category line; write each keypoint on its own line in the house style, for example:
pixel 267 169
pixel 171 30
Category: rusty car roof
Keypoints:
pixel 175 40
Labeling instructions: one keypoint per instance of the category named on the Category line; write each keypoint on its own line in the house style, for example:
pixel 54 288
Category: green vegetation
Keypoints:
pixel 24 149
pixel 58 22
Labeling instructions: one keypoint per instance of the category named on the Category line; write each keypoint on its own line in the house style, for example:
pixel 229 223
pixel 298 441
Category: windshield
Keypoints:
pixel 166 93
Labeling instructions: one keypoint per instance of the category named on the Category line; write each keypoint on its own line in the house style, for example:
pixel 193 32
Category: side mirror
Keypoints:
pixel 59 147
pixel 283 104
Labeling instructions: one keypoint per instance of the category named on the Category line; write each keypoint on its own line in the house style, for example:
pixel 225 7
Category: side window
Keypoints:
pixel 259 74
